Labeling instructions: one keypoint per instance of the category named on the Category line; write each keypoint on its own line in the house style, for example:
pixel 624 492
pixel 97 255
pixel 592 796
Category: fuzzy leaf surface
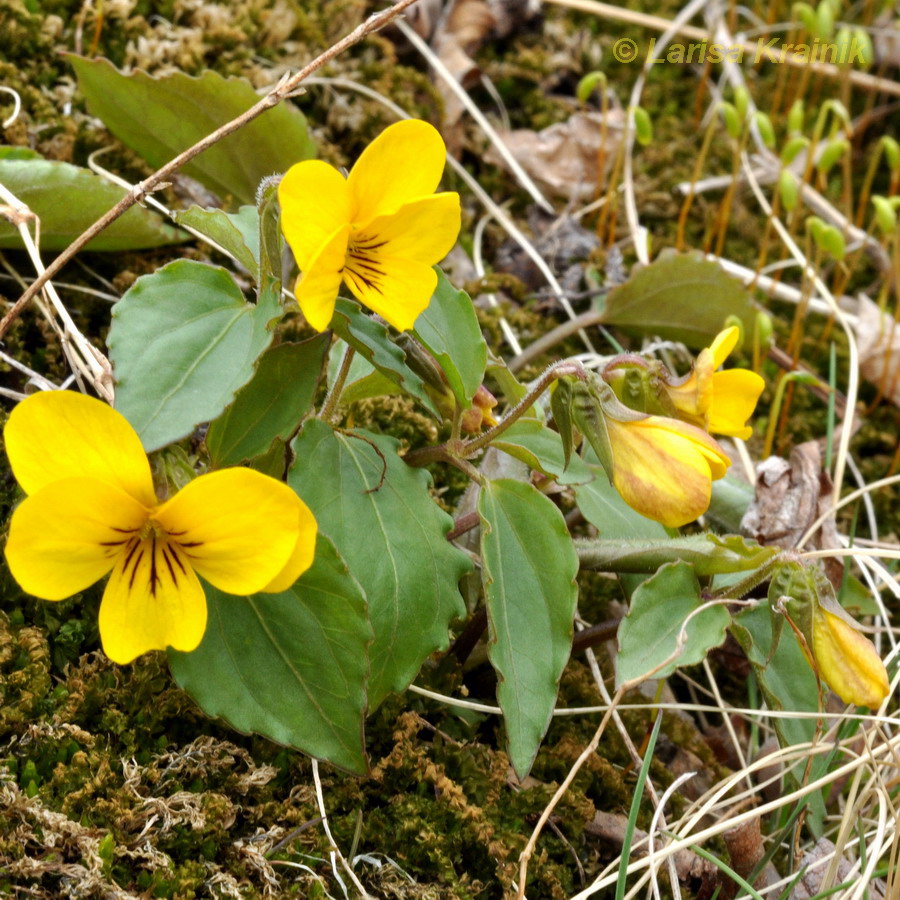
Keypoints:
pixel 183 341
pixel 379 514
pixel 528 569
pixel 290 666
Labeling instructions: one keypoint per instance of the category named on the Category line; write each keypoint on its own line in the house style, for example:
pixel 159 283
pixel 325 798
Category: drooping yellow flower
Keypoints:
pixel 380 230
pixel 91 510
pixel 848 661
pixel 720 402
pixel 664 468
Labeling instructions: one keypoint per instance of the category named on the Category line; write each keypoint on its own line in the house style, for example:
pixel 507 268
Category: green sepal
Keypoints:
pixel 588 400
pixel 639 384
pixel 794 588
pixel 561 407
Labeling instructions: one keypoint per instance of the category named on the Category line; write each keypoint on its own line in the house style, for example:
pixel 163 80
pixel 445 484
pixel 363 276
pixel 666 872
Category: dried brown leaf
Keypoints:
pixel 564 158
pixel 790 496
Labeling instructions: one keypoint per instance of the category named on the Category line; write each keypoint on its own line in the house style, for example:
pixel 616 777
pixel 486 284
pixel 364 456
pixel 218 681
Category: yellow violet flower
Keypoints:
pixel 664 468
pixel 91 510
pixel 848 661
pixel 720 402
pixel 380 230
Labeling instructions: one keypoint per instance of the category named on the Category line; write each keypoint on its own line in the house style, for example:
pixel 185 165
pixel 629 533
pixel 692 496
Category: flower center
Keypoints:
pixel 362 265
pixel 151 555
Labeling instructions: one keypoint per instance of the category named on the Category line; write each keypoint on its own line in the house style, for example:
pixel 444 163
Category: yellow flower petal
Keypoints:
pixel 848 662
pixel 315 203
pixel 724 342
pixel 735 393
pixel 237 527
pixel 664 468
pixel 402 292
pixel 693 397
pixel 403 163
pixel 302 557
pixel 69 534
pixel 317 288
pixel 424 229
pixel 388 263
pixel 153 600
pixel 63 434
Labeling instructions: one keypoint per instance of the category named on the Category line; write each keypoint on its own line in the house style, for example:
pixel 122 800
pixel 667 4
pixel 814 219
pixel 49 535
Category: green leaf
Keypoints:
pixel 19 153
pixel 708 554
pixel 68 200
pixel 731 498
pixel 273 462
pixel 785 677
pixel 372 340
pixel 272 404
pixel 449 329
pixel 649 634
pixel 510 386
pixel 528 569
pixel 289 666
pixel 379 514
pixel 372 385
pixel 541 448
pixel 160 117
pixel 182 342
pixel 237 233
pixel 679 296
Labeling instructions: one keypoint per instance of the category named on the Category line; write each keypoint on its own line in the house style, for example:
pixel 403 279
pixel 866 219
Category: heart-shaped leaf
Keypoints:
pixel 183 340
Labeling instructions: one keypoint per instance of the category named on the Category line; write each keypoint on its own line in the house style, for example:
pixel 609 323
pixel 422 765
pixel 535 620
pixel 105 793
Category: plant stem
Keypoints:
pixel 334 394
pixel 556 370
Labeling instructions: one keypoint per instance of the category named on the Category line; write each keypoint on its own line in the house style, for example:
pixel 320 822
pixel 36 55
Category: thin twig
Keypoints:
pixel 281 91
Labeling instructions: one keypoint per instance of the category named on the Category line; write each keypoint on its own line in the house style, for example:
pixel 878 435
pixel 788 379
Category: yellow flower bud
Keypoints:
pixel 847 661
